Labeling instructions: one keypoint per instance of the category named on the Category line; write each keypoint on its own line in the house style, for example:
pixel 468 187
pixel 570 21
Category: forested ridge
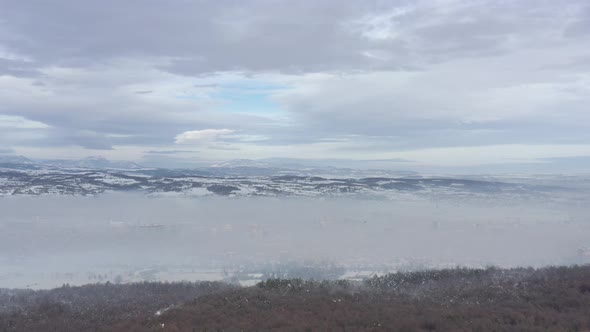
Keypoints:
pixel 492 299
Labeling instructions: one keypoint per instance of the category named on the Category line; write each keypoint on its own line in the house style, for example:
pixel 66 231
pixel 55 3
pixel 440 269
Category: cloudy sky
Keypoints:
pixel 438 83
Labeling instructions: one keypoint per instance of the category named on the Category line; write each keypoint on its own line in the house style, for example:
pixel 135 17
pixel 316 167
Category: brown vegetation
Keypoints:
pixel 549 299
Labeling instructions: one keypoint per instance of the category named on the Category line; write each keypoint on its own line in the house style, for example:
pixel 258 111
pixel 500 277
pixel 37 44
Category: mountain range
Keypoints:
pixel 235 167
pixel 92 162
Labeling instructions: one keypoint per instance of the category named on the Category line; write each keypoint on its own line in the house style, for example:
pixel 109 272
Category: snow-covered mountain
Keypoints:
pixel 235 163
pixel 278 167
pixel 236 167
pixel 96 175
pixel 11 159
pixel 53 180
pixel 93 162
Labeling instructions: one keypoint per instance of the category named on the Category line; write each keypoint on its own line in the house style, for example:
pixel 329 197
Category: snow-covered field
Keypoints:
pixel 79 182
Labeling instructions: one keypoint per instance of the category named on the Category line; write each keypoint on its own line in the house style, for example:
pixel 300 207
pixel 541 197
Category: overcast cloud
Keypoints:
pixel 439 83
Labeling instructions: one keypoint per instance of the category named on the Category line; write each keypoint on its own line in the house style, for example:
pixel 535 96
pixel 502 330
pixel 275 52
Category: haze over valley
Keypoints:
pixel 172 236
pixel 280 165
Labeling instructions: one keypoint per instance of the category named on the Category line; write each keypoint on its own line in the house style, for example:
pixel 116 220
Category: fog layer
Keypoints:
pixel 45 241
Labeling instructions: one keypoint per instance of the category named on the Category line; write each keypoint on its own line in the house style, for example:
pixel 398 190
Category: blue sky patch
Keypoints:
pixel 248 97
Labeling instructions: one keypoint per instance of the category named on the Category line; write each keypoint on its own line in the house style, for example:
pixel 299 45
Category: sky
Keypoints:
pixel 411 84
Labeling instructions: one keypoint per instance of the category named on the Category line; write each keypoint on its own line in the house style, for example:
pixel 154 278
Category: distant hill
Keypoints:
pixel 95 162
pixel 93 176
pixel 243 163
pixel 235 167
pixel 12 159
pixel 287 166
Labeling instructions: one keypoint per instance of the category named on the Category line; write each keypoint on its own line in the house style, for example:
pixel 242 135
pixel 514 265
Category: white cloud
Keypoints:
pixel 19 122
pixel 381 26
pixel 438 82
pixel 199 136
